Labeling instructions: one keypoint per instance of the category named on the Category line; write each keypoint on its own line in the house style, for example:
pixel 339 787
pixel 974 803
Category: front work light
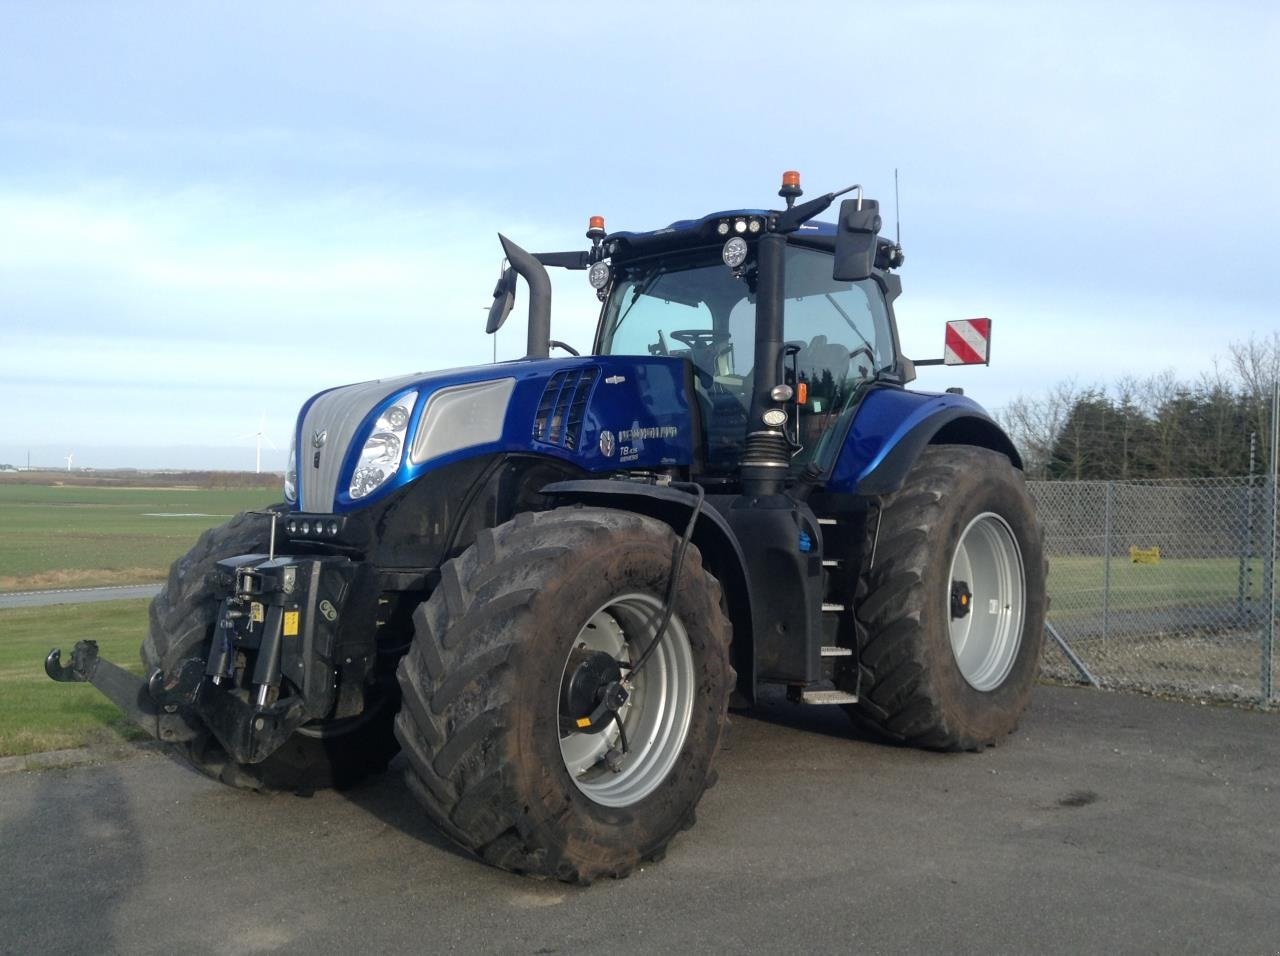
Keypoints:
pixel 734 252
pixel 291 473
pixel 598 275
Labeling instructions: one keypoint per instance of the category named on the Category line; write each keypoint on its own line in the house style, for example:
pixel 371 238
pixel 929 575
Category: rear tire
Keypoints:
pixel 483 723
pixel 323 754
pixel 932 674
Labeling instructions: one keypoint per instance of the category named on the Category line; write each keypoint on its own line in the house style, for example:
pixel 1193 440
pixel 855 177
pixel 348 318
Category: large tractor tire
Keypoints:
pixel 950 612
pixel 321 754
pixel 523 634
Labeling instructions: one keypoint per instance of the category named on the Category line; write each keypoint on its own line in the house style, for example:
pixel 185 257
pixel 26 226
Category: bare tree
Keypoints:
pixel 1256 362
pixel 1035 424
pixel 1126 399
pixel 1166 402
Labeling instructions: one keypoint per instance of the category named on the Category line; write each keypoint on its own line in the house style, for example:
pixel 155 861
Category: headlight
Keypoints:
pixel 598 275
pixel 384 448
pixel 291 473
pixel 734 252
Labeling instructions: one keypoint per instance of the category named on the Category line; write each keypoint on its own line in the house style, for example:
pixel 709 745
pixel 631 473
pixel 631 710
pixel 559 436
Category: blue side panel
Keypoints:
pixel 885 417
pixel 639 401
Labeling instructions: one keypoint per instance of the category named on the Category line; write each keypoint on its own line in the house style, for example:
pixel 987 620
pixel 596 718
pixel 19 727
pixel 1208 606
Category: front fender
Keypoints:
pixel 892 427
pixel 721 553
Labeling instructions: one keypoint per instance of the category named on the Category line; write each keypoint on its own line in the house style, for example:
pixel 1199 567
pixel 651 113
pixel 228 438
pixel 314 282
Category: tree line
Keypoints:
pixel 1154 427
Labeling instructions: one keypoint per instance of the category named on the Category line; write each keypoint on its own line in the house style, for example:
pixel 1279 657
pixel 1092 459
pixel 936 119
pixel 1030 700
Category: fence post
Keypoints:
pixel 1244 588
pixel 1269 556
pixel 1106 561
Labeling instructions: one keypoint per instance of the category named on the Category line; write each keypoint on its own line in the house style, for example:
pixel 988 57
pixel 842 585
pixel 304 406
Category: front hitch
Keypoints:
pixel 157 705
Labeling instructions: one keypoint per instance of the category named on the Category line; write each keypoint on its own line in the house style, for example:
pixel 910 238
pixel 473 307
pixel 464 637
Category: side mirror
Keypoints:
pixel 856 232
pixel 504 300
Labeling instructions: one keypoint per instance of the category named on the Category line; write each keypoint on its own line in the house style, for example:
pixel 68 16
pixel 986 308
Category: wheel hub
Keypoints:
pixel 635 721
pixel 987 601
pixel 592 691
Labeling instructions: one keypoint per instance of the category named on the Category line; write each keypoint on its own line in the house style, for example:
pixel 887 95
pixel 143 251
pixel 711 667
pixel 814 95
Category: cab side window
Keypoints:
pixel 838 337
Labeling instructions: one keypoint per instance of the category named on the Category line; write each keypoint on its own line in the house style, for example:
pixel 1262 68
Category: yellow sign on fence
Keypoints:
pixel 1144 555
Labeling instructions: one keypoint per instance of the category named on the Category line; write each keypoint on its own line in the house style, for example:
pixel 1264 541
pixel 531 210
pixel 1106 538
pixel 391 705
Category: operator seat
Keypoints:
pixel 822 356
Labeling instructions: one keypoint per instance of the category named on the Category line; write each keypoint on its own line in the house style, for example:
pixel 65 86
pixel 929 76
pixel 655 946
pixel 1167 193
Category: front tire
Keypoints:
pixel 950 613
pixel 492 753
pixel 319 755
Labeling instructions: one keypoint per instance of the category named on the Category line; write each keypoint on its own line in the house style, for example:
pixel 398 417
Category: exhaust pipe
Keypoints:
pixel 535 275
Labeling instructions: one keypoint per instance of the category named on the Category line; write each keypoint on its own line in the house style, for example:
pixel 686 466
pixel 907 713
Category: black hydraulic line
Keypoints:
pixel 668 602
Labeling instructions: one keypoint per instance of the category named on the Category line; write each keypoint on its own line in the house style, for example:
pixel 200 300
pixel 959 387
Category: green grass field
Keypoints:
pixel 37 714
pixel 58 537
pixel 1077 583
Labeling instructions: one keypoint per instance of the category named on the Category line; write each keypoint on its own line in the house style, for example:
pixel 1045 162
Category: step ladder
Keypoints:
pixel 818 695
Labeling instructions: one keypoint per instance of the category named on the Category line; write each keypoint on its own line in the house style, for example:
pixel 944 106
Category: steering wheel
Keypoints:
pixel 702 342
pixel 704 351
pixel 863 350
pixel 695 338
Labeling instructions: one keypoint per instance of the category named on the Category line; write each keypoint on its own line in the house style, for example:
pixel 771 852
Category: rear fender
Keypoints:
pixel 721 553
pixel 893 426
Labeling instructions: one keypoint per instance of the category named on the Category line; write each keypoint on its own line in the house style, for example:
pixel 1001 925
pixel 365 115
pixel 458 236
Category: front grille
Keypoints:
pixel 564 406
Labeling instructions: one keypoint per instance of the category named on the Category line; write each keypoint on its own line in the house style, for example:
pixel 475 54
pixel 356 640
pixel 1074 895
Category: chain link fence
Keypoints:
pixel 1164 586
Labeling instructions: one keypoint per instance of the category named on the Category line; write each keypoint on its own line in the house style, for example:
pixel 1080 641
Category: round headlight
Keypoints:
pixel 740 225
pixel 332 528
pixel 734 252
pixel 306 527
pixel 396 416
pixel 753 226
pixel 774 417
pixel 723 229
pixel 598 275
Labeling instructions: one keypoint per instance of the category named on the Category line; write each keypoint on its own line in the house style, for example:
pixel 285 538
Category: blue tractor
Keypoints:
pixel 547 580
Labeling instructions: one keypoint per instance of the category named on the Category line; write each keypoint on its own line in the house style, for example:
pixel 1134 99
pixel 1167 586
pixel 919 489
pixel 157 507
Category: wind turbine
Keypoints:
pixel 70 455
pixel 261 437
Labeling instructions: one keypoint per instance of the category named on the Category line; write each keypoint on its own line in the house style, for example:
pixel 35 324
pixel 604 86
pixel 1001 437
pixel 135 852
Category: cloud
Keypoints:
pixel 231 208
pixel 167 316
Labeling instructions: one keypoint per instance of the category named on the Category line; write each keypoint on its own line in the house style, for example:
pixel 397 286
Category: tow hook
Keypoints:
pixel 155 704
pixel 84 661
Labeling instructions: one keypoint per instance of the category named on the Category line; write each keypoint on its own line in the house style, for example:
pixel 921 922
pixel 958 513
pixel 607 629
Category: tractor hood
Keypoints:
pixel 602 413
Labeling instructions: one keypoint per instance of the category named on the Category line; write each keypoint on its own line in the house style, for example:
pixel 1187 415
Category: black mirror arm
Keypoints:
pixel 797 216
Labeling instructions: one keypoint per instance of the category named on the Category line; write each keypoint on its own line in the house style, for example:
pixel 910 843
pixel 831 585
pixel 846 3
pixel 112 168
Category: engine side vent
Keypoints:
pixel 564 407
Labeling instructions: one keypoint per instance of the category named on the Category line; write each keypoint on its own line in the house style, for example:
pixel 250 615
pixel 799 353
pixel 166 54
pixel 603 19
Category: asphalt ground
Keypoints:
pixel 118 592
pixel 1109 822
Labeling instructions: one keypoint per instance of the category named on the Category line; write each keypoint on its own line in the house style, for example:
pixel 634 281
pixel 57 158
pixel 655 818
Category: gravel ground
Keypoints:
pixel 1108 822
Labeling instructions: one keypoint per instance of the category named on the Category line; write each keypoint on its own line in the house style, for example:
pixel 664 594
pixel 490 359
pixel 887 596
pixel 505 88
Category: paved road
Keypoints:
pixel 1108 823
pixel 77 595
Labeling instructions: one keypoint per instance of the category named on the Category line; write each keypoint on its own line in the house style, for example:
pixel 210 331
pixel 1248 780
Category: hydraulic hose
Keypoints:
pixel 668 601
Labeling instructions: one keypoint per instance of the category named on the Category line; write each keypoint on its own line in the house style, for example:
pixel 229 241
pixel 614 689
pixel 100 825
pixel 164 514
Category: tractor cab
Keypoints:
pixel 786 321
pixel 681 294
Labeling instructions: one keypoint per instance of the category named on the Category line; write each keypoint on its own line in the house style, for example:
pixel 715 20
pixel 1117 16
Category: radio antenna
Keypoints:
pixel 897 216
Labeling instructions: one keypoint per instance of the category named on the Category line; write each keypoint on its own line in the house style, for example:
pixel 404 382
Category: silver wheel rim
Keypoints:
pixel 657 712
pixel 985 641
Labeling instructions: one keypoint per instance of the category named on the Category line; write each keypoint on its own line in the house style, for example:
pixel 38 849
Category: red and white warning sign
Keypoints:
pixel 968 342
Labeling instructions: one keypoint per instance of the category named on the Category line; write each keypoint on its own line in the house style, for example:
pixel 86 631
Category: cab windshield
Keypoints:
pixel 838 334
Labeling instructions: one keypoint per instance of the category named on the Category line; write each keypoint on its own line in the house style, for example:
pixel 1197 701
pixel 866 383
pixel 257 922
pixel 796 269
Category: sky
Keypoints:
pixel 209 212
